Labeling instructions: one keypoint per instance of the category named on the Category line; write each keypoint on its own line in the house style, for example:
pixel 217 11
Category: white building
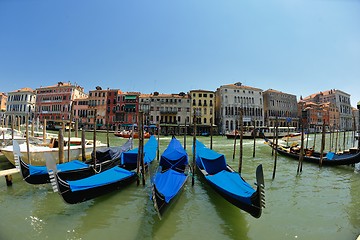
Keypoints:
pixel 20 103
pixel 231 98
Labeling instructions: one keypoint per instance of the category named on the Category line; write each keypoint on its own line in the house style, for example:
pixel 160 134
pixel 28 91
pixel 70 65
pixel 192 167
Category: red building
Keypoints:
pixel 54 102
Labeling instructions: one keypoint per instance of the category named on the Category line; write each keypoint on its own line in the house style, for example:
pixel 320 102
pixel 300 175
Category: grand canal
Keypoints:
pixel 320 203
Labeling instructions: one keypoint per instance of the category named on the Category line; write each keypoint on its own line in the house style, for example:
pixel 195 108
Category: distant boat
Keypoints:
pixel 292 137
pixel 170 177
pixel 129 134
pixel 330 158
pixel 228 183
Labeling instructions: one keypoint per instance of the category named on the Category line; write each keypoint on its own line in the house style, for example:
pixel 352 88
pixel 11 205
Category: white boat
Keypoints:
pixel 292 137
pixel 6 136
pixel 38 152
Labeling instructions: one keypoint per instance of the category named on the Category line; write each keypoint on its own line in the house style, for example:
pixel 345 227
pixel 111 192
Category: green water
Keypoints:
pixel 319 204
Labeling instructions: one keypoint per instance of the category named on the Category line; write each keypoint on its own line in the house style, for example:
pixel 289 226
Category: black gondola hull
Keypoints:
pixel 253 209
pixel 345 159
pixel 84 195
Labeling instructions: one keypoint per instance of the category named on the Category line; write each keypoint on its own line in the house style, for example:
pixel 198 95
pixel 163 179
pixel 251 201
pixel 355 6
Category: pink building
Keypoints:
pixel 54 102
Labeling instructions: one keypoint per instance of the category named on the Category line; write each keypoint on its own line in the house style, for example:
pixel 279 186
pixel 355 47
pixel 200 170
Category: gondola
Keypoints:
pixel 98 184
pixel 72 170
pixel 328 159
pixel 129 158
pixel 228 183
pixel 170 177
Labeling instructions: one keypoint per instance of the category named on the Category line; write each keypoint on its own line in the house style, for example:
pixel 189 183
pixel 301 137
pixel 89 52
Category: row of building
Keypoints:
pixel 219 109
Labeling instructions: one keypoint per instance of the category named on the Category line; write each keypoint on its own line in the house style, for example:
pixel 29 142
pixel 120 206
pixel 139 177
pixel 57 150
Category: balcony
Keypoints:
pixel 168 111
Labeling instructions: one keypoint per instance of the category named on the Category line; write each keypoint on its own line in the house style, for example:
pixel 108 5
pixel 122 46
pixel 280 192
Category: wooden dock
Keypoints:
pixel 7 173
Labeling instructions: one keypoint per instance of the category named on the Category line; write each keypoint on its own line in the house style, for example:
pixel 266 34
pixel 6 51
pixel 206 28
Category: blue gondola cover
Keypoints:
pixel 232 183
pixel 208 159
pixel 174 155
pixel 103 178
pixel 169 183
pixel 40 170
pixel 149 153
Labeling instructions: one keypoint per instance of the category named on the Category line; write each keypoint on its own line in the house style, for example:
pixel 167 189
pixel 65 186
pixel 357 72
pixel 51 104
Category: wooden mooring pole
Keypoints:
pixel 194 150
pixel 276 145
pixel 241 140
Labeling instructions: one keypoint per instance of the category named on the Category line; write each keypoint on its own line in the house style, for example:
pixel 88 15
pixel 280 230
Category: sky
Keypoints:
pixel 297 47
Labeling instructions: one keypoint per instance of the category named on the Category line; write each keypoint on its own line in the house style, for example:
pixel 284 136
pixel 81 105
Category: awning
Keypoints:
pixel 130 106
pixel 130 97
pixel 128 125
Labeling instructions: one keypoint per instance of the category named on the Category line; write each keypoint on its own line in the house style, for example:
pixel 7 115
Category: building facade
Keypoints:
pixel 3 103
pixel 231 99
pixel 21 103
pixel 341 100
pixel 282 105
pixel 97 100
pixel 170 111
pixel 80 108
pixel 203 105
pixel 53 103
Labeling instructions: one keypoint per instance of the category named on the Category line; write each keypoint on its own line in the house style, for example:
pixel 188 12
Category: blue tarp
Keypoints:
pixel 72 165
pixel 209 160
pixel 169 183
pixel 330 155
pixel 174 155
pixel 150 149
pixel 232 183
pixel 112 175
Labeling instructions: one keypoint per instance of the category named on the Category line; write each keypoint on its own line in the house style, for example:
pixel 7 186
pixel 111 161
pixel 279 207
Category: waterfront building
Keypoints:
pixel 113 109
pixel 231 99
pixel 20 103
pixel 282 105
pixel 341 100
pixel 53 103
pixel 3 102
pixel 126 110
pixel 80 108
pixel 97 100
pixel 317 113
pixel 171 111
pixel 203 105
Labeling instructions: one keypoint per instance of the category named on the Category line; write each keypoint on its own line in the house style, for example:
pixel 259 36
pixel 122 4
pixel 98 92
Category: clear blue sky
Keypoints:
pixel 298 47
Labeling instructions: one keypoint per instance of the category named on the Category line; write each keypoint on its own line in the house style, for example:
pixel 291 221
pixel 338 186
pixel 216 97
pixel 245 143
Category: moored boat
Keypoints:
pixel 228 183
pixel 170 177
pixel 81 190
pixel 37 152
pixel 328 158
pixel 72 170
pixel 129 158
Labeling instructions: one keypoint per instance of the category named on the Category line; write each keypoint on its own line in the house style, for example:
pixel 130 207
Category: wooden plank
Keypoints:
pixel 9 172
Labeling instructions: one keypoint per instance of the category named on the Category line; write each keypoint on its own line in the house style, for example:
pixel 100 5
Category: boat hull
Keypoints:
pixel 71 197
pixel 37 157
pixel 254 209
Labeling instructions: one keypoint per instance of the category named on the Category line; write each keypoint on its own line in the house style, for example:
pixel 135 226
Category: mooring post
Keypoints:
pixel 8 179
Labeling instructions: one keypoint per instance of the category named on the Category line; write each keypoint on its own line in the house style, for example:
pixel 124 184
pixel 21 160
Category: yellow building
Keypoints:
pixel 203 105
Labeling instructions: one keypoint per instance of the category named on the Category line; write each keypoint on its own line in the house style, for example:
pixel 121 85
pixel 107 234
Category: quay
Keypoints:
pixel 7 173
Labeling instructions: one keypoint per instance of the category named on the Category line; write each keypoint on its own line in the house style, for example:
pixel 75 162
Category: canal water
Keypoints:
pixel 320 203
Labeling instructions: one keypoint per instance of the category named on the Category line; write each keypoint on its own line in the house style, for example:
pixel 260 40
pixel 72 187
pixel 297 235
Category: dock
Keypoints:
pixel 7 173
